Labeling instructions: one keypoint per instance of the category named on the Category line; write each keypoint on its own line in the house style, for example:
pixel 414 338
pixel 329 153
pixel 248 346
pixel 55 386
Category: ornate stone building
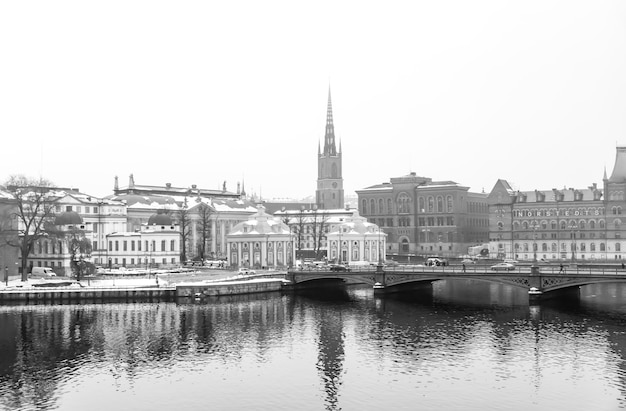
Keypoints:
pixel 423 217
pixel 261 241
pixel 354 239
pixel 561 224
pixel 226 209
pixel 329 193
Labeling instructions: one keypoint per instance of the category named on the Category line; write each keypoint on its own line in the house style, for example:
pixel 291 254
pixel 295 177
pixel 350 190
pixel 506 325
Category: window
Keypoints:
pixel 125 245
pixel 132 245
pixel 449 204
pixel 440 204
pixel 431 204
pixel 363 206
pixel 172 245
pixel 381 206
pixel 372 206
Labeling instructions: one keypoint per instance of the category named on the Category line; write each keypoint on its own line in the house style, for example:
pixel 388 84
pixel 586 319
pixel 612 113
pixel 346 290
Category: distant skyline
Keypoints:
pixel 205 92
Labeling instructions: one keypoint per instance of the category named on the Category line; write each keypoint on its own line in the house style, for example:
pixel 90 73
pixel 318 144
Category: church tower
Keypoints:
pixel 329 193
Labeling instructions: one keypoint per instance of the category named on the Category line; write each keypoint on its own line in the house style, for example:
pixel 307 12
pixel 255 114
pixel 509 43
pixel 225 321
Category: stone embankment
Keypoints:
pixel 164 287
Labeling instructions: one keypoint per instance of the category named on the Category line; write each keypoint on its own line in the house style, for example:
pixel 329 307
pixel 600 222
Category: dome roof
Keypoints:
pixel 160 218
pixel 68 218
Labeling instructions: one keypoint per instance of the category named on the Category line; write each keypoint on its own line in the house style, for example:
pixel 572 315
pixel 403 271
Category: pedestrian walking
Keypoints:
pixel 561 268
pixel 464 267
pixel 623 266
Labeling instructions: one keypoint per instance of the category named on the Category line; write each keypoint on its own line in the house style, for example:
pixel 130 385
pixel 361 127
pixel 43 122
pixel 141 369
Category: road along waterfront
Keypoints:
pixel 468 345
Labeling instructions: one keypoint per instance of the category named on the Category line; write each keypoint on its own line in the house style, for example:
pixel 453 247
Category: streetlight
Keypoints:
pixel 380 249
pixel 573 227
pixel 534 226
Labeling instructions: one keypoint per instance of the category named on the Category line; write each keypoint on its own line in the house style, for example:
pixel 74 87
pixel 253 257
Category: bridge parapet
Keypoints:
pixel 532 279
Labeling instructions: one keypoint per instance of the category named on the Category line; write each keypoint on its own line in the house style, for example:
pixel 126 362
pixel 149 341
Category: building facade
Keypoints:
pixel 262 241
pixel 156 244
pixel 354 239
pixel 329 193
pixel 423 217
pixel 561 224
pixel 225 210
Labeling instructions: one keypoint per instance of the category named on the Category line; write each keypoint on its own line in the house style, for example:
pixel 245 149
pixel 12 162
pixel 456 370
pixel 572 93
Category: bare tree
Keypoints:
pixel 184 224
pixel 204 227
pixel 34 213
pixel 78 246
pixel 299 228
pixel 319 224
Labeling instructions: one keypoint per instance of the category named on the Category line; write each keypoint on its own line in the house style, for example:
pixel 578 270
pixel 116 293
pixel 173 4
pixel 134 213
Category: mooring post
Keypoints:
pixel 534 292
pixel 379 284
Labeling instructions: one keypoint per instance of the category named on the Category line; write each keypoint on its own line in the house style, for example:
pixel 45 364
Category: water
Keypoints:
pixel 466 346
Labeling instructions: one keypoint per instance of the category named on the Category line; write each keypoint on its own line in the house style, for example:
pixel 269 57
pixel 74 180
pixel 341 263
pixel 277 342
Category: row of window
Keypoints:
pixel 430 204
pixel 562 225
pixel 553 247
pixel 135 245
pixel 560 212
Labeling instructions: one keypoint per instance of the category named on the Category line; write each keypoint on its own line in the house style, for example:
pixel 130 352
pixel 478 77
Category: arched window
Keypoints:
pixel 525 245
pixel 544 247
pixel 581 224
pixel 563 225
pixel 602 247
pixel 363 207
pixel 404 203
pixel 601 223
pixel 440 204
pixel 449 204
pixel 421 206
pixel 618 247
pixel 381 206
pixel 431 204
pixel 516 226
pixel 592 225
pixel 617 224
pixel 525 225
pixel 592 247
pixel 553 247
pixel 389 208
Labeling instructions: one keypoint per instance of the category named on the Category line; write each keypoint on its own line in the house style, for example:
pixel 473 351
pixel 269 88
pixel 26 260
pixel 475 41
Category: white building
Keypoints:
pixel 261 241
pixel 354 239
pixel 157 244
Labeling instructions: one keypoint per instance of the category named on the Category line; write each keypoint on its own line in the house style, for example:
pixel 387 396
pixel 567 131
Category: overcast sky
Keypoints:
pixel 201 92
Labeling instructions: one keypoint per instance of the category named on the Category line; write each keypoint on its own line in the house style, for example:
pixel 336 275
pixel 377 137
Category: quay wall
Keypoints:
pixel 228 288
pixel 89 294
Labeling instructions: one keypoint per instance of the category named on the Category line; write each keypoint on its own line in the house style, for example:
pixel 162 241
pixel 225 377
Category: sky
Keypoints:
pixel 202 92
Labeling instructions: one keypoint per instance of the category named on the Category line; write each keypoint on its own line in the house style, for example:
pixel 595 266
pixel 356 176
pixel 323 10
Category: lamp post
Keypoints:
pixel 6 275
pixel 573 227
pixel 380 249
pixel 534 226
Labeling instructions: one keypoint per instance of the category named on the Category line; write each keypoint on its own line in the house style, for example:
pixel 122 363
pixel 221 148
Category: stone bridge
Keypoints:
pixel 538 282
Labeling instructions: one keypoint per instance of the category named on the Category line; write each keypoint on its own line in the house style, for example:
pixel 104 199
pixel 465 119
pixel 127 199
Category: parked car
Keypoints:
pixel 339 267
pixel 510 261
pixel 503 267
pixel 436 261
pixel 245 271
pixel 42 272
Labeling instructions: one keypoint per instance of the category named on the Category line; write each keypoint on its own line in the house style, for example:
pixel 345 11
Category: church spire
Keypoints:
pixel 329 139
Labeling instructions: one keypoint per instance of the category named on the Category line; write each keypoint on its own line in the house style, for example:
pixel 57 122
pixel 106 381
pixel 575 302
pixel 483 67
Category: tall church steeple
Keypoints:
pixel 329 139
pixel 329 193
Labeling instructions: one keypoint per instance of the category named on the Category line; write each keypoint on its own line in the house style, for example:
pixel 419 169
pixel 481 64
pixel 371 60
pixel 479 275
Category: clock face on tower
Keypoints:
pixel 334 184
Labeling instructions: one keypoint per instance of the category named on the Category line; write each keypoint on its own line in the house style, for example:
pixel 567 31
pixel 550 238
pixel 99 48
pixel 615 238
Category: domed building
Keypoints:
pixel 355 239
pixel 156 244
pixel 261 241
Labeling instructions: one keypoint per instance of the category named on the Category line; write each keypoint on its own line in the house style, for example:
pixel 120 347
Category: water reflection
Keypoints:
pixel 461 346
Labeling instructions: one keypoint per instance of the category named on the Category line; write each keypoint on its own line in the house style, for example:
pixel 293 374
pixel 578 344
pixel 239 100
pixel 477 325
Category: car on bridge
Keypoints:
pixel 339 267
pixel 503 267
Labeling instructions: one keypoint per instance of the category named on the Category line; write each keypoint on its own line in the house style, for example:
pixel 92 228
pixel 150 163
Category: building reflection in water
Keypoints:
pixel 414 337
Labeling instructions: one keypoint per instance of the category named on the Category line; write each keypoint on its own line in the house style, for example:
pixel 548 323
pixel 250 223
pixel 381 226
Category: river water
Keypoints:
pixel 464 346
